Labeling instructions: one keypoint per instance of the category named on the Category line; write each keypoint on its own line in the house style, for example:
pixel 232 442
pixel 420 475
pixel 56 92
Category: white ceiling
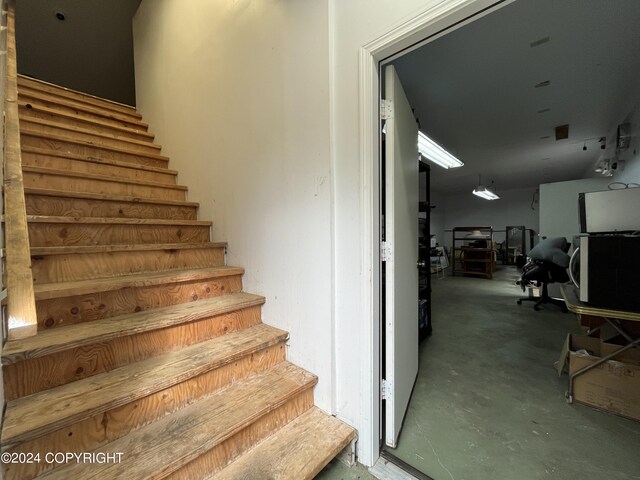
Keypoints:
pixel 473 90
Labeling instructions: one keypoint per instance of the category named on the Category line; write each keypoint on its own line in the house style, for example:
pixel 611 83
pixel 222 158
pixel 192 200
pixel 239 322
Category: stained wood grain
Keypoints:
pixel 33 95
pixel 33 110
pixel 47 231
pixel 38 374
pixel 194 430
pixel 37 157
pixel 65 338
pixel 82 263
pixel 210 463
pixel 21 312
pixel 98 430
pixel 62 143
pixel 61 91
pixel 56 128
pixel 73 309
pixel 52 179
pixel 298 451
pixel 42 413
pixel 44 202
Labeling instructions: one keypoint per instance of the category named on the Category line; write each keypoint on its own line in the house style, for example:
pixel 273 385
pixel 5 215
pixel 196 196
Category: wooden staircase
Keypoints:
pixel 148 356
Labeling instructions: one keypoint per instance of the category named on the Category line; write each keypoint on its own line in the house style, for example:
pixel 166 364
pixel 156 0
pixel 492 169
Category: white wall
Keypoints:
pixel 559 205
pixel 237 92
pixel 513 208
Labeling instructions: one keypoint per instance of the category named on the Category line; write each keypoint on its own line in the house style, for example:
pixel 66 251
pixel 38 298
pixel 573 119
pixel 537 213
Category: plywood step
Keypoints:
pixel 48 231
pixel 33 110
pixel 298 451
pixel 209 433
pixel 63 355
pixel 39 414
pixel 56 128
pixel 32 95
pixel 68 303
pixel 42 157
pixel 64 264
pixel 50 178
pixel 47 202
pixel 63 143
pixel 72 337
pixel 28 82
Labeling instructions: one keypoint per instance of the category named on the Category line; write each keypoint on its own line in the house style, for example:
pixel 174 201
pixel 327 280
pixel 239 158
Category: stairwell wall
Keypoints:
pixel 237 92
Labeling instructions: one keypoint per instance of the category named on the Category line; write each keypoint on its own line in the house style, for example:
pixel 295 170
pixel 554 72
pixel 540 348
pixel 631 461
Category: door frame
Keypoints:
pixel 435 21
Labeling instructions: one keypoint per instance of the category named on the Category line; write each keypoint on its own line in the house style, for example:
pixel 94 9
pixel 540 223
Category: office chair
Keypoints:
pixel 548 262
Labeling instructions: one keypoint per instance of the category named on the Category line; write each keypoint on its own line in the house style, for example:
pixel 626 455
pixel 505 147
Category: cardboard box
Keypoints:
pixel 613 386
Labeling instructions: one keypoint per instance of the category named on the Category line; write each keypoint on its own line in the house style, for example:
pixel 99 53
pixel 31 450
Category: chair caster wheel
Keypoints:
pixel 519 302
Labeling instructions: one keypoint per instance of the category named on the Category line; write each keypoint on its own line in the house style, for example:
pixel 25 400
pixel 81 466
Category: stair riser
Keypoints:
pixel 25 83
pixel 42 373
pixel 78 207
pixel 84 266
pixel 61 234
pixel 95 167
pixel 94 432
pixel 66 118
pixel 91 185
pixel 28 140
pixel 211 462
pixel 91 113
pixel 87 137
pixel 59 312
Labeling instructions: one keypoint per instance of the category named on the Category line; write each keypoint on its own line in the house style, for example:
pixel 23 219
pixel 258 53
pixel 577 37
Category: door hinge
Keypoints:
pixel 385 252
pixel 386 109
pixel 385 390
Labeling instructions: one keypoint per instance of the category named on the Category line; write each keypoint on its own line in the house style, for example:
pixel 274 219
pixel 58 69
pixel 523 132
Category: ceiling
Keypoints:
pixel 91 50
pixel 474 90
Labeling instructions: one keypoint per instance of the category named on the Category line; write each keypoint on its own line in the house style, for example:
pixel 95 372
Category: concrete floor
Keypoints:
pixel 488 403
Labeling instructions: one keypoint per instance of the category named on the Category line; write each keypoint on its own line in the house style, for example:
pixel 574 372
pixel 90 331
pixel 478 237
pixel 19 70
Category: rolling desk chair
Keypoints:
pixel 548 262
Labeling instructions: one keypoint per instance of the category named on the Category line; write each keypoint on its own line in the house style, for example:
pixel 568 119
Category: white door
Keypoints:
pixel 401 237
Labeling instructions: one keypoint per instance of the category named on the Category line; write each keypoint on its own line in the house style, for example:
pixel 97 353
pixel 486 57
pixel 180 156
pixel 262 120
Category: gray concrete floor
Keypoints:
pixel 488 403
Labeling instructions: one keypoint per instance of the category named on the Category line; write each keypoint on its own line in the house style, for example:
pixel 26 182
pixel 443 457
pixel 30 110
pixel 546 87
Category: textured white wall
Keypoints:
pixel 237 92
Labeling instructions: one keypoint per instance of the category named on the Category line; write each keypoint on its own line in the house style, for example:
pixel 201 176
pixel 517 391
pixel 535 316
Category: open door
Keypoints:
pixel 400 252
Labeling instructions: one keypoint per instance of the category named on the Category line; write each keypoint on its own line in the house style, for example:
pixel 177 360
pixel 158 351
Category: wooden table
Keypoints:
pixel 615 318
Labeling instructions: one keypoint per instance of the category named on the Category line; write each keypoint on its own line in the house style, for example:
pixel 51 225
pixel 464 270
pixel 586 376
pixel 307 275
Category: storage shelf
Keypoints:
pixel 472 260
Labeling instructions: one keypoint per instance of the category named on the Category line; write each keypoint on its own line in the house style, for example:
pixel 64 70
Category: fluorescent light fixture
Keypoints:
pixel 435 153
pixel 483 192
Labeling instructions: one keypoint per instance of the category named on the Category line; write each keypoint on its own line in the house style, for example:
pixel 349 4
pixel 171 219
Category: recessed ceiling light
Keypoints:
pixel 539 42
pixel 544 110
pixel 60 15
pixel 545 137
pixel 546 83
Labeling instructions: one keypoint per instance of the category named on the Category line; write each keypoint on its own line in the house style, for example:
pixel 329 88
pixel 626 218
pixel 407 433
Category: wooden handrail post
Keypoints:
pixel 21 308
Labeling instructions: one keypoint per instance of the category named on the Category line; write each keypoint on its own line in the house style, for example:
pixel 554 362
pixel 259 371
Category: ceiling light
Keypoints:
pixel 539 42
pixel 60 15
pixel 546 83
pixel 435 153
pixel 484 192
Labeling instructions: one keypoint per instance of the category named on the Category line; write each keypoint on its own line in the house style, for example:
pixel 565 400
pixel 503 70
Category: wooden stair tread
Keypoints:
pixel 59 89
pixel 297 451
pixel 103 161
pixel 23 105
pixel 64 138
pixel 58 339
pixel 28 417
pixel 113 221
pixel 103 196
pixel 158 449
pixel 104 178
pixel 82 287
pixel 87 131
pixel 65 250
pixel 27 92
